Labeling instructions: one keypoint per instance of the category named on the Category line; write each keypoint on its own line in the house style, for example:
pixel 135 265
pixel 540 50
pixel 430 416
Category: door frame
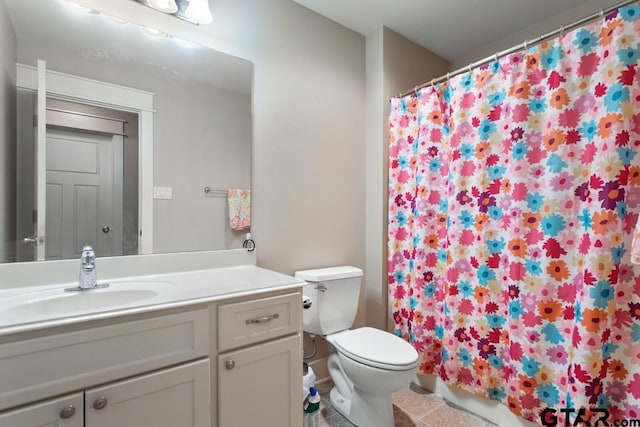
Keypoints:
pixel 68 87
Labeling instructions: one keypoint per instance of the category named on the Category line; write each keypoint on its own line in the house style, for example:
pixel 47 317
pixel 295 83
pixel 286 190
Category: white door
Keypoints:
pixel 26 176
pixel 260 385
pixel 83 193
pixel 62 412
pixel 177 397
pixel 41 163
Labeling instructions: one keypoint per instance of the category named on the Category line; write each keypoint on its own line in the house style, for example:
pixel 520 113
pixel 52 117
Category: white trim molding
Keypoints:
pixel 69 87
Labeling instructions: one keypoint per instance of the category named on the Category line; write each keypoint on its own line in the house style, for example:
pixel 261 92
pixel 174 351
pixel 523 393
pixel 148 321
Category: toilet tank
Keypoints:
pixel 333 294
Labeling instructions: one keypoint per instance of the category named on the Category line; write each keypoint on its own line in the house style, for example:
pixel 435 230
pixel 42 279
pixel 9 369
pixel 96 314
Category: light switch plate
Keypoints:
pixel 163 193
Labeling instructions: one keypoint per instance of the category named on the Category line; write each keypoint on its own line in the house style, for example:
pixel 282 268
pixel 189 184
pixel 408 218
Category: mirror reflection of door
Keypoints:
pixel 84 186
pixel 26 221
pixel 86 177
pixel 85 152
pixel 31 158
pixel 91 181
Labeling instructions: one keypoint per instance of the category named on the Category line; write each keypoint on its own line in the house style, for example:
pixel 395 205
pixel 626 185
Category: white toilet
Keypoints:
pixel 365 364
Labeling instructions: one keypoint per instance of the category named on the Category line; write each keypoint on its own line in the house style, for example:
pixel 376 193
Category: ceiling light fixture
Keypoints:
pixel 198 11
pixel 194 11
pixel 166 6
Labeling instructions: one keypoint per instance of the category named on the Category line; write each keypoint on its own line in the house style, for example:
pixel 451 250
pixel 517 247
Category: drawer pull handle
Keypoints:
pixel 263 319
pixel 230 364
pixel 100 403
pixel 67 412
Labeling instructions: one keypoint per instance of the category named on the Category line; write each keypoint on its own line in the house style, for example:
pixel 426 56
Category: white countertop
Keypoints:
pixel 169 290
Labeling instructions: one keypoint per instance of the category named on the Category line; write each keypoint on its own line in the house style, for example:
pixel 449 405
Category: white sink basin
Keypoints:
pixel 58 301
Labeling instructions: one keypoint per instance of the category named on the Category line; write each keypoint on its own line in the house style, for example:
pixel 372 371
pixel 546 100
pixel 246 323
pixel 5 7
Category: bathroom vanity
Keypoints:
pixel 209 347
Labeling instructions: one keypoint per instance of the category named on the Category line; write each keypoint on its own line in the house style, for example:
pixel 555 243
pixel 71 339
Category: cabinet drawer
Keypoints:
pixel 36 368
pixel 64 411
pixel 250 322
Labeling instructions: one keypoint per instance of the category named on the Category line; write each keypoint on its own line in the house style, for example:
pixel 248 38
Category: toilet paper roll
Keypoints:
pixel 307 302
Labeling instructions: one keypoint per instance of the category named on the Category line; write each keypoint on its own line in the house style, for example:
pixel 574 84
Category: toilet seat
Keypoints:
pixel 376 348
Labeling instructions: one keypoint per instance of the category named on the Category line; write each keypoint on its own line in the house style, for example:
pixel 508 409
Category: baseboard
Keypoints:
pixel 319 367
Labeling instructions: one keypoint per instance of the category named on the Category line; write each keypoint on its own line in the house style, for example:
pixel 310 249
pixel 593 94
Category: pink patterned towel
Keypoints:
pixel 635 245
pixel 239 208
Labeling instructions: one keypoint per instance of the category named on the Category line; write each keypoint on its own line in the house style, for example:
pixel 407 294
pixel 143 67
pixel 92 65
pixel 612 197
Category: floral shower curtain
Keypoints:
pixel 514 193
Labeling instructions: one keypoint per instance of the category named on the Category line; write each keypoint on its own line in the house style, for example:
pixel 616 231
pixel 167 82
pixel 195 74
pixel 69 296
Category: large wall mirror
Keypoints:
pixel 120 102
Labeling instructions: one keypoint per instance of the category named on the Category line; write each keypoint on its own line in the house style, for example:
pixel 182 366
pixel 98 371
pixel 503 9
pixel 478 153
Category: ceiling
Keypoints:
pixel 449 28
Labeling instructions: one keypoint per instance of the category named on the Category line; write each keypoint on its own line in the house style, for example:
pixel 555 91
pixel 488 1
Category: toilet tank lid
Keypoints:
pixel 329 273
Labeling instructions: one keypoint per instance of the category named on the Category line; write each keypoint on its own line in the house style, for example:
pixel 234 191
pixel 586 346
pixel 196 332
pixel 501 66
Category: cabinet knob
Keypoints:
pixel 100 403
pixel 230 364
pixel 67 412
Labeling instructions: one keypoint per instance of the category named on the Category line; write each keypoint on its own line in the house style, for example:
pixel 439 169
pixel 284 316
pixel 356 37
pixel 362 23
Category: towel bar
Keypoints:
pixel 209 190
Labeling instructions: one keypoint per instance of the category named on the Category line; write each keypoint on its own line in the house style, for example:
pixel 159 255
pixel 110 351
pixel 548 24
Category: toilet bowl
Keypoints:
pixel 365 364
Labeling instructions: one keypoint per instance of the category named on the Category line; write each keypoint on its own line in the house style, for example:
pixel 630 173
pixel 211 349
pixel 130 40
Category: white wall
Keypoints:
pixel 375 193
pixel 218 155
pixel 308 138
pixel 7 135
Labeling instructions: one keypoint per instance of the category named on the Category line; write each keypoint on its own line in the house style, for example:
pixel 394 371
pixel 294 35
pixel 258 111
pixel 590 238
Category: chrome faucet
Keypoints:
pixel 88 278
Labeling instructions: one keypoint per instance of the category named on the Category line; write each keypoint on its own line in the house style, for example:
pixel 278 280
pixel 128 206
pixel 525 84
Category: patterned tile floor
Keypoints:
pixel 412 407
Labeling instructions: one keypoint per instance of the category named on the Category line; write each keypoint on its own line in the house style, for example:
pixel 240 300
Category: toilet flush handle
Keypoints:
pixel 321 288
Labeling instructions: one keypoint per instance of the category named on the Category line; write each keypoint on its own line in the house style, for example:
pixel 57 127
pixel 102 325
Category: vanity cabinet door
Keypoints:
pixel 260 385
pixel 173 397
pixel 62 412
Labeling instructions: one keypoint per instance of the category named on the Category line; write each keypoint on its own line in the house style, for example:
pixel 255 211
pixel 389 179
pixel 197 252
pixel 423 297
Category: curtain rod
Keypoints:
pixel 526 44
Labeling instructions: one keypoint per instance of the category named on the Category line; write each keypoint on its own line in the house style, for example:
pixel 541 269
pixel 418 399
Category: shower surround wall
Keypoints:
pixel 513 193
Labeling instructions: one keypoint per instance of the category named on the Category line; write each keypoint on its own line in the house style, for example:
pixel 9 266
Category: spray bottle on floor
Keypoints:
pixel 312 404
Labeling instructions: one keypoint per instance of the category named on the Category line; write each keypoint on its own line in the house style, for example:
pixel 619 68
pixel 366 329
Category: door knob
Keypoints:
pixel 106 229
pixel 33 240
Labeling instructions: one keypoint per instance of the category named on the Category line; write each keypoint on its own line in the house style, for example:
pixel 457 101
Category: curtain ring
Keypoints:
pixel 433 82
pixel 526 45
pixel 469 68
pixel 561 29
pixel 602 14
pixel 416 90
pixel 448 76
